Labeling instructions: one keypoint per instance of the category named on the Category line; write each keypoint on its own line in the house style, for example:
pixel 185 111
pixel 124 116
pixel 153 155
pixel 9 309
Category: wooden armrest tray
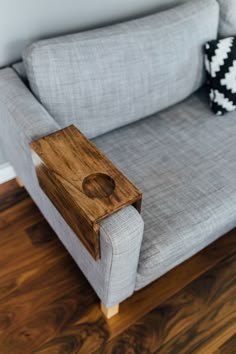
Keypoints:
pixel 82 183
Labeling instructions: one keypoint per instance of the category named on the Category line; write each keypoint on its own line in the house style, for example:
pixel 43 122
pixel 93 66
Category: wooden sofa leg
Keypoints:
pixel 18 181
pixel 110 311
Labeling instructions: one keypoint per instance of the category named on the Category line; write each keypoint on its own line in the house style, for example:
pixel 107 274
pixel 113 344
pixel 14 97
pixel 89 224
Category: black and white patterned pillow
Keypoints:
pixel 220 62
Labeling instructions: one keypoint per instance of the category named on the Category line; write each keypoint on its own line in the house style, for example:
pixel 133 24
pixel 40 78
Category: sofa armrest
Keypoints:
pixel 82 183
pixel 29 117
pixel 23 119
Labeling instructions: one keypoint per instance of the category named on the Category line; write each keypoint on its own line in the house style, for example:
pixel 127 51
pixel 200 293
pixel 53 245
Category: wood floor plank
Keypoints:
pixel 217 323
pixel 40 233
pixel 12 197
pixel 227 347
pixel 8 186
pixel 18 217
pixel 83 338
pixel 47 306
pixel 42 300
pixel 46 322
pixel 207 334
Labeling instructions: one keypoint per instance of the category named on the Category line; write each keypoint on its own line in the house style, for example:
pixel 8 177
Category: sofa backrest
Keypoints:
pixel 227 26
pixel 103 79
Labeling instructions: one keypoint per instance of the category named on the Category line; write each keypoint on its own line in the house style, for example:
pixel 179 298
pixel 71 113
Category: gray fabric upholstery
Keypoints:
pixel 24 119
pixel 102 79
pixel 184 161
pixel 227 26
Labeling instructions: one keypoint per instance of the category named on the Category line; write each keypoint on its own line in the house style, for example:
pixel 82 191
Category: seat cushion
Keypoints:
pixel 103 79
pixel 184 161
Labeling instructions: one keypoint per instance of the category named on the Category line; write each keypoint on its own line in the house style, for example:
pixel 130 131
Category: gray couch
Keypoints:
pixel 136 89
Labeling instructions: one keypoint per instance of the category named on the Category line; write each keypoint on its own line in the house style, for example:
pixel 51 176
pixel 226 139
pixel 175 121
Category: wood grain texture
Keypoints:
pixel 8 186
pixel 40 233
pixel 12 197
pixel 48 307
pixel 228 347
pixel 82 183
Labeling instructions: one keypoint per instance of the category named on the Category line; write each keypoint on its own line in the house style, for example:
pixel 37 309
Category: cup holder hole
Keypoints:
pixel 98 185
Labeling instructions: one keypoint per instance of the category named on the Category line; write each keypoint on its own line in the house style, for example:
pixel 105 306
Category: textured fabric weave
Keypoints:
pixel 103 79
pixel 184 161
pixel 23 119
pixel 227 18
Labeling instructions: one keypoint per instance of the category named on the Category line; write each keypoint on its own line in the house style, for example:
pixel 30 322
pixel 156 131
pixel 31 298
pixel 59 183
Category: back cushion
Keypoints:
pixel 227 18
pixel 103 79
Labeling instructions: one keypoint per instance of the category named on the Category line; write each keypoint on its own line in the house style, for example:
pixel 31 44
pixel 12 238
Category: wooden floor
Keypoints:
pixel 47 306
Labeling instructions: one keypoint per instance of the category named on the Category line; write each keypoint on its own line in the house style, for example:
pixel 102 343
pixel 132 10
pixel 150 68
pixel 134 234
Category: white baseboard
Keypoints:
pixel 6 173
